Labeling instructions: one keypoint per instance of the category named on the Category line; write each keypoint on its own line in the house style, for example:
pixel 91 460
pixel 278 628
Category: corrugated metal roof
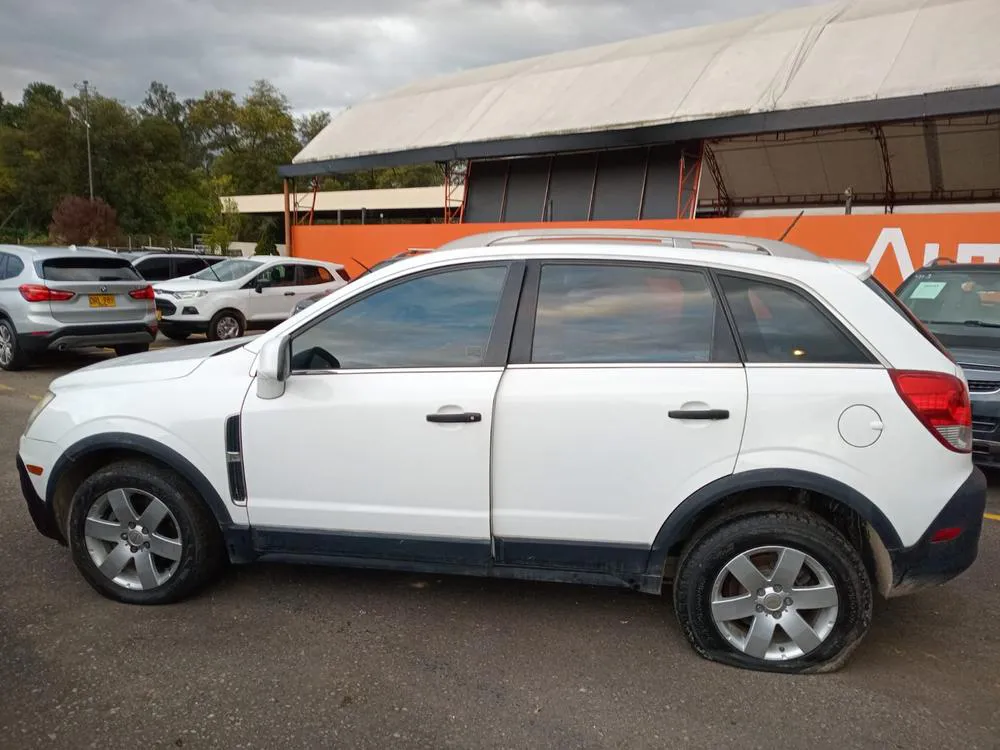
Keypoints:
pixel 399 199
pixel 811 57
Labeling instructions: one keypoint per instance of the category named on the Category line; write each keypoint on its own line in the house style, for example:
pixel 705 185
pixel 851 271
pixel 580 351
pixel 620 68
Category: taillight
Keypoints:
pixel 39 293
pixel 145 293
pixel 941 403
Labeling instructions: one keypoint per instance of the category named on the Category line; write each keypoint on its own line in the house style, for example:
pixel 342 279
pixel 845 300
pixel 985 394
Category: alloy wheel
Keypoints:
pixel 6 345
pixel 774 603
pixel 227 328
pixel 133 538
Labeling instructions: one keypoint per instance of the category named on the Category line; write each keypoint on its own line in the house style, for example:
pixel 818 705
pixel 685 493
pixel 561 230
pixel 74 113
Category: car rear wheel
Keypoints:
pixel 226 325
pixel 11 356
pixel 778 591
pixel 140 535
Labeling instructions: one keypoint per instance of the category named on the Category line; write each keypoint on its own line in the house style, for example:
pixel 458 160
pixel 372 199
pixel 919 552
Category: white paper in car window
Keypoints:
pixel 928 289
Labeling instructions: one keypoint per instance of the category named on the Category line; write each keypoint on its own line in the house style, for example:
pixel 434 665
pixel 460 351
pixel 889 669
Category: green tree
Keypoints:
pixel 309 126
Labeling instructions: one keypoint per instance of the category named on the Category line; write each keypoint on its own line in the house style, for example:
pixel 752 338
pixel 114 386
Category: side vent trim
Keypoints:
pixel 234 461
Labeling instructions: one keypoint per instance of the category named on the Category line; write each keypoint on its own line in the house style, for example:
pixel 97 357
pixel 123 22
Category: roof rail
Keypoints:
pixel 669 238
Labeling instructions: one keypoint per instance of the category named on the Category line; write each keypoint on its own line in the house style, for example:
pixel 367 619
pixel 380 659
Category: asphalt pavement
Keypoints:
pixel 282 656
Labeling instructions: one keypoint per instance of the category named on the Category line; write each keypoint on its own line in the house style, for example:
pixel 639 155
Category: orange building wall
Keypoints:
pixel 893 244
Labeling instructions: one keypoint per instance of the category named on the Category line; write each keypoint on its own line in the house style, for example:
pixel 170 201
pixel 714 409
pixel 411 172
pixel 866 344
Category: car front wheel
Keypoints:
pixel 779 591
pixel 140 535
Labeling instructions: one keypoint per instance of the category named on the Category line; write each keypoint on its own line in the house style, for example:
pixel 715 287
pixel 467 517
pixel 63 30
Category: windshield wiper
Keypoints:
pixel 969 323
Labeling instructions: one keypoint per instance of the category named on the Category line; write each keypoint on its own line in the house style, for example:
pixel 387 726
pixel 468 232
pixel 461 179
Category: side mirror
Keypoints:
pixel 258 286
pixel 273 368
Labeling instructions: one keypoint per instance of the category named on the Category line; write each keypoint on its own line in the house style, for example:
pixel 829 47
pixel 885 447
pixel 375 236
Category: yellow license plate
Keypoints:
pixel 102 300
pixel 159 314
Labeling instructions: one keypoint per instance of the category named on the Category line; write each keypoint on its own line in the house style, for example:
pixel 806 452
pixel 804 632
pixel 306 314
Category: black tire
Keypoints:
pixel 123 350
pixel 202 550
pixel 175 335
pixel 709 552
pixel 223 319
pixel 15 358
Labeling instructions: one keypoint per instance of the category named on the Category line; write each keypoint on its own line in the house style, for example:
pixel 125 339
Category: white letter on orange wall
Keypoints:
pixel 891 237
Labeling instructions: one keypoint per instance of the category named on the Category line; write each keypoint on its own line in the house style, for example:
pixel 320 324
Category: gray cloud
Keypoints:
pixel 324 54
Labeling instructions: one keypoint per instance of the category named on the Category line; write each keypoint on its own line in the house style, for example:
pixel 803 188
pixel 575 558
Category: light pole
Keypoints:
pixel 84 89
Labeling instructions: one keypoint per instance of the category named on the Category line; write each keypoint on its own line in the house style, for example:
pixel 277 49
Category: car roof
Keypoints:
pixel 727 251
pixel 47 253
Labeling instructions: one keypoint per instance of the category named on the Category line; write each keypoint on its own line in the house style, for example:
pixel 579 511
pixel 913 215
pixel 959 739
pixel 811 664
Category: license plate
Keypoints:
pixel 159 314
pixel 102 300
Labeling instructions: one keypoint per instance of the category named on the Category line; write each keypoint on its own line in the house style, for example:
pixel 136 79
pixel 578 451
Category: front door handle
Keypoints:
pixel 289 294
pixel 711 414
pixel 464 417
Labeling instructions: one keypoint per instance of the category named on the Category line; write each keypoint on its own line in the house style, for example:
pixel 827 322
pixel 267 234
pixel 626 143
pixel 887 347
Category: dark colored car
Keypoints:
pixel 161 266
pixel 960 304
pixel 304 303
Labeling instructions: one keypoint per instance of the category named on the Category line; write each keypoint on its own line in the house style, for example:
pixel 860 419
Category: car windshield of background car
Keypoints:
pixel 954 297
pixel 227 270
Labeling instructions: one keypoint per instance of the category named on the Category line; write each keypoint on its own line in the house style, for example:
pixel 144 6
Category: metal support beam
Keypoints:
pixel 689 181
pixel 288 218
pixel 933 148
pixel 725 201
pixel 889 188
pixel 312 208
pixel 455 180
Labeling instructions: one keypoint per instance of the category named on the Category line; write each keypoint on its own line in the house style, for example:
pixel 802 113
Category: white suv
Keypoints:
pixel 228 298
pixel 770 431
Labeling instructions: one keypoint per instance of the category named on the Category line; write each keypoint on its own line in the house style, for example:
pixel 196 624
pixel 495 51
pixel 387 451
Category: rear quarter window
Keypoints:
pixel 779 325
pixel 87 269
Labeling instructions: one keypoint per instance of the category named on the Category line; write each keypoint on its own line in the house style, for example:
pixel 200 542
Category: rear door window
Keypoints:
pixel 87 269
pixel 779 325
pixel 14 267
pixel 599 313
pixel 154 269
pixel 188 266
pixel 310 275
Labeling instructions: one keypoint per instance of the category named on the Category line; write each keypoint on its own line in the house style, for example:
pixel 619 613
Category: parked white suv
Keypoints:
pixel 770 431
pixel 228 298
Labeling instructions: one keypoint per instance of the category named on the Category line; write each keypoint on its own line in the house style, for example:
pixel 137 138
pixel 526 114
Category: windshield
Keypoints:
pixel 954 296
pixel 227 270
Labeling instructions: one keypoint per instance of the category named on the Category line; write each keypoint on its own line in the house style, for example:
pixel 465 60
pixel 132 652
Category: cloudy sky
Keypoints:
pixel 323 54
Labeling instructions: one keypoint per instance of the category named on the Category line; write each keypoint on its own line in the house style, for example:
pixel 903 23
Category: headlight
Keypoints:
pixel 39 407
pixel 190 295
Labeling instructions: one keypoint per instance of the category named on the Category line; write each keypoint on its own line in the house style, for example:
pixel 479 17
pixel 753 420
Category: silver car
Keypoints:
pixel 69 298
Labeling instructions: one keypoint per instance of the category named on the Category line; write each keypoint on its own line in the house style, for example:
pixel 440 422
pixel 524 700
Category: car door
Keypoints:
pixel 625 394
pixel 379 446
pixel 274 293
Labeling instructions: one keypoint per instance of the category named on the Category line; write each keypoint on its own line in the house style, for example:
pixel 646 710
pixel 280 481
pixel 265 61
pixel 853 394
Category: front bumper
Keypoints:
pixel 40 512
pixel 930 562
pixel 82 336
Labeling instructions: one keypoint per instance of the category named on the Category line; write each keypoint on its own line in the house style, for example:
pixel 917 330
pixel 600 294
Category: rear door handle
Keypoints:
pixel 289 294
pixel 463 418
pixel 712 414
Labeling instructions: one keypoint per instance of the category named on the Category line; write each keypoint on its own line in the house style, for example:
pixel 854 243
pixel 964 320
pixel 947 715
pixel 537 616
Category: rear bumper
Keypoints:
pixel 41 514
pixel 986 453
pixel 79 337
pixel 930 562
